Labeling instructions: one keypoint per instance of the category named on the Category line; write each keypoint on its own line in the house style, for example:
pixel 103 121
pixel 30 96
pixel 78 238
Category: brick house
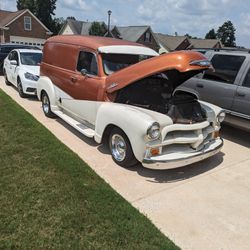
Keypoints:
pixel 140 34
pixel 22 27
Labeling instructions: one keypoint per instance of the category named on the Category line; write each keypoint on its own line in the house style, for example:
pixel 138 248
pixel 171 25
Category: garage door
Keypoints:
pixel 27 41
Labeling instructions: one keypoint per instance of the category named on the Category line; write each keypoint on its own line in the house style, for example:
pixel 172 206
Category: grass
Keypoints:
pixel 51 199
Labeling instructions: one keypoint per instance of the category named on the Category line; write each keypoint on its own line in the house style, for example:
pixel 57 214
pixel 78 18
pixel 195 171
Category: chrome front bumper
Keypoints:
pixel 165 162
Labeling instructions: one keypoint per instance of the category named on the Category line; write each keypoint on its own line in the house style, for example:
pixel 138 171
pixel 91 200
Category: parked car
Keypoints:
pixel 227 86
pixel 5 49
pixel 22 69
pixel 120 92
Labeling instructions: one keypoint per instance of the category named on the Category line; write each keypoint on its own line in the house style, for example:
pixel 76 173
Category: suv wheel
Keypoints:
pixel 121 149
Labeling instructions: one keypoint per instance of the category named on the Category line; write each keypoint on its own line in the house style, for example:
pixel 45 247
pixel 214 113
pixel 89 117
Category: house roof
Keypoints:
pixel 204 43
pixel 8 16
pixel 79 27
pixel 170 42
pixel 132 33
pixel 76 26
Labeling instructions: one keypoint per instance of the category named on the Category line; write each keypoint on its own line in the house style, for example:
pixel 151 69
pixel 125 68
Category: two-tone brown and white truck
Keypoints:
pixel 123 93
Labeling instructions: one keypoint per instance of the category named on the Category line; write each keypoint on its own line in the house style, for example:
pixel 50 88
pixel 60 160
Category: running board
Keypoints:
pixel 75 124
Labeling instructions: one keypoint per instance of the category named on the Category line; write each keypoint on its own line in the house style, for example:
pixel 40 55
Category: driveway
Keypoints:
pixel 202 206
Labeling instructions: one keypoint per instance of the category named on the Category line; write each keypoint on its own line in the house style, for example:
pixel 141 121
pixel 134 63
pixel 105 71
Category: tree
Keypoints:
pixel 211 34
pixel 26 4
pixel 71 18
pixel 45 10
pixel 191 37
pixel 57 25
pixel 226 33
pixel 97 29
pixel 42 9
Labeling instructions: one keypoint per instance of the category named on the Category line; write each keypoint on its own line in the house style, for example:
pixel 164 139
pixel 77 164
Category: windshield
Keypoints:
pixel 115 62
pixel 31 58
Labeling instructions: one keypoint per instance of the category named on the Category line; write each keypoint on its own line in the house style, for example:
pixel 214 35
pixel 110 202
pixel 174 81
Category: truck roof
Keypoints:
pixel 92 42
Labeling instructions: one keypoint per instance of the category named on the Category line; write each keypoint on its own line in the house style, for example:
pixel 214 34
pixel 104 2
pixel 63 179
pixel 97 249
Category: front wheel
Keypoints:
pixel 46 105
pixel 20 89
pixel 121 149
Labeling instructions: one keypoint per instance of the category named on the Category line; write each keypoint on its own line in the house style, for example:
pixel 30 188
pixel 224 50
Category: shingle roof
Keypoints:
pixel 132 33
pixel 79 27
pixel 204 43
pixel 75 25
pixel 170 42
pixel 7 16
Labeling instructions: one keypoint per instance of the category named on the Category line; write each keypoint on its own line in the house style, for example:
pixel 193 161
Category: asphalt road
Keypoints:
pixel 201 206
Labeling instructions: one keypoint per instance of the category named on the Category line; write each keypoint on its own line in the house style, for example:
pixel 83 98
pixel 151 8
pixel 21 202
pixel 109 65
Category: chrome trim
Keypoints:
pixel 237 114
pixel 180 162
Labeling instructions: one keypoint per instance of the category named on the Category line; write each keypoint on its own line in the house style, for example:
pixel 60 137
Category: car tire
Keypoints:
pixel 121 149
pixel 46 105
pixel 6 78
pixel 20 88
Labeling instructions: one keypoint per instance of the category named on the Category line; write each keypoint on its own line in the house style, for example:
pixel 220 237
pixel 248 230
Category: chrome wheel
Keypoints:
pixel 45 104
pixel 118 147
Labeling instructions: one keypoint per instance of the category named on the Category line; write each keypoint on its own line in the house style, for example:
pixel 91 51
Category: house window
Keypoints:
pixel 147 37
pixel 27 23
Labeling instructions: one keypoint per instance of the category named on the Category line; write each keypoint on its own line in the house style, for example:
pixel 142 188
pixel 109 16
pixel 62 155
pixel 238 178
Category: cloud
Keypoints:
pixel 78 5
pixel 8 5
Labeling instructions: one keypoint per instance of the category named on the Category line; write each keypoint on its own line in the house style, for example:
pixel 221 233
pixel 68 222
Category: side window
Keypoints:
pixel 10 56
pixel 87 60
pixel 15 57
pixel 226 68
pixel 246 82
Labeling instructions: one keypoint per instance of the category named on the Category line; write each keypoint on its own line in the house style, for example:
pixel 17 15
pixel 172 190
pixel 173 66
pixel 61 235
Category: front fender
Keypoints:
pixel 133 122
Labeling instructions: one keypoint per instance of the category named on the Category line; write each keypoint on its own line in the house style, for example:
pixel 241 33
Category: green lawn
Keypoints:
pixel 51 199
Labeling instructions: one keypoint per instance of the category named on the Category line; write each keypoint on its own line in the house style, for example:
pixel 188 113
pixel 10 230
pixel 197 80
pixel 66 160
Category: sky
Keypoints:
pixel 195 17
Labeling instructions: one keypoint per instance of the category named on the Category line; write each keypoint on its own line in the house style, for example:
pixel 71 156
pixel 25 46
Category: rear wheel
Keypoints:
pixel 6 78
pixel 46 105
pixel 20 88
pixel 121 149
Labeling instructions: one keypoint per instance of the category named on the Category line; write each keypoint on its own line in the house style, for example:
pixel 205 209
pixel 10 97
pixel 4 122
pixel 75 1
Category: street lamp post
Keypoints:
pixel 109 13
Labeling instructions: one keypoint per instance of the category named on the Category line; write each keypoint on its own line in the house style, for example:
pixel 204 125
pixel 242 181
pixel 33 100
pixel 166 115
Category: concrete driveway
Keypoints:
pixel 202 206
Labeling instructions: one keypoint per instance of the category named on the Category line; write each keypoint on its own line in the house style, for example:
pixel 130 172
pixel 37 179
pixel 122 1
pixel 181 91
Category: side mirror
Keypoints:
pixel 84 72
pixel 13 62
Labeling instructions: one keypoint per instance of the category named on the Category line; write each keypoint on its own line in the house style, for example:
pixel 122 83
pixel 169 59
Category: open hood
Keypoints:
pixel 184 64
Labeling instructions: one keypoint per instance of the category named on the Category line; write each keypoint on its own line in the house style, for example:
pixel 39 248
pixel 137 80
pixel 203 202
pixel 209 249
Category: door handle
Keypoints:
pixel 199 85
pixel 73 79
pixel 239 93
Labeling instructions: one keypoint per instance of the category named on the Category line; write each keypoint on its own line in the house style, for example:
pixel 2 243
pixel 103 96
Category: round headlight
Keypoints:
pixel 221 116
pixel 153 131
